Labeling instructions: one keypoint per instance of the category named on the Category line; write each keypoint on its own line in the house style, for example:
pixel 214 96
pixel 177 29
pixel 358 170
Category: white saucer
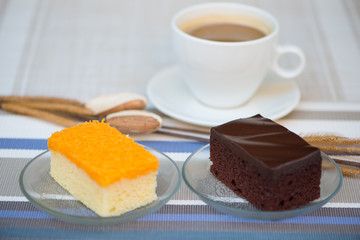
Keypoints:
pixel 275 98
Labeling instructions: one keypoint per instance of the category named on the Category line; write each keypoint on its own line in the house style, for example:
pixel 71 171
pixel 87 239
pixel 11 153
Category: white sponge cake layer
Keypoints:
pixel 112 200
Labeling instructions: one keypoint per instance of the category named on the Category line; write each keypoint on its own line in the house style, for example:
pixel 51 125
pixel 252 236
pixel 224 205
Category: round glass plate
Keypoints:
pixel 197 176
pixel 46 194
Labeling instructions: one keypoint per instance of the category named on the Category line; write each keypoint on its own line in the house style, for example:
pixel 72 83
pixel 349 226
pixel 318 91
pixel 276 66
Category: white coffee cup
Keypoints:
pixel 227 74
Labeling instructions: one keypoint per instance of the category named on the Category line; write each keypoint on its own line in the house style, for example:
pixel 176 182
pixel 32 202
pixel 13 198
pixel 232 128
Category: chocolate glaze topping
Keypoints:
pixel 264 143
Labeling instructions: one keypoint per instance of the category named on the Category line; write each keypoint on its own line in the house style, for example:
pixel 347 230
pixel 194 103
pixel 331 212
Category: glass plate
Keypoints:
pixel 197 176
pixel 42 191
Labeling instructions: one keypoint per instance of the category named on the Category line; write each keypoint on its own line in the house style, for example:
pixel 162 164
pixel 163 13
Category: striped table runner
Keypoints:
pixel 184 216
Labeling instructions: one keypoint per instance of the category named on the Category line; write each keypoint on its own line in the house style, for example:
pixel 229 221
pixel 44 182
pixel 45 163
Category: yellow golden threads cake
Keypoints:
pixel 103 168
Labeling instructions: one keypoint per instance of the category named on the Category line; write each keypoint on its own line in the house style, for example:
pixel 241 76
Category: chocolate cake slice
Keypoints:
pixel 265 163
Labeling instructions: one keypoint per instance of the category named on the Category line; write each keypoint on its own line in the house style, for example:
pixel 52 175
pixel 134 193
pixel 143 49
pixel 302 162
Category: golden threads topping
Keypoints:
pixel 104 153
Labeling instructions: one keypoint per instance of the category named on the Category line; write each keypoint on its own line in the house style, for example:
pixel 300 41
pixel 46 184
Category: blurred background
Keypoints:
pixel 83 48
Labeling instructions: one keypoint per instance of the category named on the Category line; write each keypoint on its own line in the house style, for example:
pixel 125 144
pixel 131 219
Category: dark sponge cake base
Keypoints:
pixel 285 192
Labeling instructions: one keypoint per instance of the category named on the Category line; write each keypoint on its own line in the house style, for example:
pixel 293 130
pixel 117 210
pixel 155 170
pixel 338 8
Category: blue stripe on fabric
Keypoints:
pixel 41 144
pixel 109 234
pixel 23 214
pixel 174 146
pixel 23 143
pixel 200 218
pixel 228 218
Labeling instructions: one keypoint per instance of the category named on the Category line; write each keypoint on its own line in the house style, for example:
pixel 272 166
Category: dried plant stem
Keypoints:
pixel 322 138
pixel 339 149
pixel 349 171
pixel 76 110
pixel 334 144
pixel 331 139
pixel 24 110
pixel 40 99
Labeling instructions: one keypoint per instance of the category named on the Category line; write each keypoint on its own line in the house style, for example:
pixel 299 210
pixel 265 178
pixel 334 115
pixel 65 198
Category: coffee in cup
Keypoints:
pixel 222 30
pixel 225 51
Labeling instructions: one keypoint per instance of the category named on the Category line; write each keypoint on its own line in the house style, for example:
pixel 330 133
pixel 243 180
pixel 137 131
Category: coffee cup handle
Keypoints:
pixel 288 49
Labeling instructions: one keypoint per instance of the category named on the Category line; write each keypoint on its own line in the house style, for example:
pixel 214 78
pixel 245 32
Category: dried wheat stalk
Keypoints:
pixel 45 115
pixel 40 99
pixel 334 143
